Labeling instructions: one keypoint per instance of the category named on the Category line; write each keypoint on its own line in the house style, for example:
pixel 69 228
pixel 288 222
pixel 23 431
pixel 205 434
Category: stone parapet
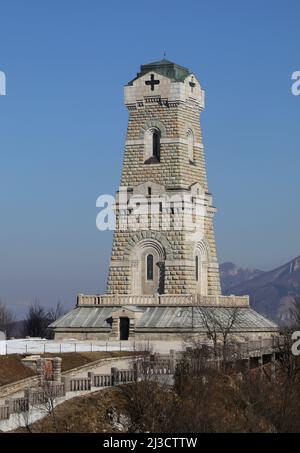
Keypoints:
pixel 165 299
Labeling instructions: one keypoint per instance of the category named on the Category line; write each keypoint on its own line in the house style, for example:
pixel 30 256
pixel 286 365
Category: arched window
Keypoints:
pixel 156 145
pixel 149 267
pixel 201 260
pixel 190 145
pixel 197 268
pixel 152 146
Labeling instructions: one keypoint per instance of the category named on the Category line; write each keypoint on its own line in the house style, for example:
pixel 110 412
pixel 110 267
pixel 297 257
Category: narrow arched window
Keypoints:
pixel 156 145
pixel 190 145
pixel 149 267
pixel 152 146
pixel 196 268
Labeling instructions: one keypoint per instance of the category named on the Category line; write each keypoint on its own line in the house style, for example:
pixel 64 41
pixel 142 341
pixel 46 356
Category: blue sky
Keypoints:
pixel 63 123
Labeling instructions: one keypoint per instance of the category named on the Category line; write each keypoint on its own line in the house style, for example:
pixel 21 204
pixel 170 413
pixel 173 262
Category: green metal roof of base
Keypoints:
pixel 164 317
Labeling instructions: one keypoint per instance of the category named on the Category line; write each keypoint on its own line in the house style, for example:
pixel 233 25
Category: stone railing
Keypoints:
pixel 101 380
pixel 80 384
pixel 38 396
pixel 4 412
pixel 155 364
pixel 17 405
pixel 49 390
pixel 164 299
pixel 124 376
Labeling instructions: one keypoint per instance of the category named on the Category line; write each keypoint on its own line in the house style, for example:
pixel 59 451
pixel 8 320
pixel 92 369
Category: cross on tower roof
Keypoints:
pixel 152 82
pixel 192 84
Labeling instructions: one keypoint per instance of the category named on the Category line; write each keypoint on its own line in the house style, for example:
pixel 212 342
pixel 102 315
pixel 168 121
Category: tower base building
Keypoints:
pixel 164 281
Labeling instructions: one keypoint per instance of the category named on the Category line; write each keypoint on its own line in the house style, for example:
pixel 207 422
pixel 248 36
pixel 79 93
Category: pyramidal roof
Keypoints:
pixel 166 68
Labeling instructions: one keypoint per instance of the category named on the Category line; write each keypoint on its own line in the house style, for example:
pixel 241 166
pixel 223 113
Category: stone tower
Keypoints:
pixel 164 276
pixel 164 239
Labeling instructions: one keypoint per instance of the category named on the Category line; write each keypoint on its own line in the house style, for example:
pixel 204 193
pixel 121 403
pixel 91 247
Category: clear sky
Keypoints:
pixel 63 123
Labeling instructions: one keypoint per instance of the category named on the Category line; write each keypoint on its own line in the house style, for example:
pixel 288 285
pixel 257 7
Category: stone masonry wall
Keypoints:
pixel 174 172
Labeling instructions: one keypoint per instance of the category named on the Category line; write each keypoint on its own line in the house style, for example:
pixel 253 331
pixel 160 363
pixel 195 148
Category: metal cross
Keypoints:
pixel 152 82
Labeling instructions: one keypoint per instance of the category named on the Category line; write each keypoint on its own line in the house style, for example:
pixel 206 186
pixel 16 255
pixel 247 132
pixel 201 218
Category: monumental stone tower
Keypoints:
pixel 164 276
pixel 164 166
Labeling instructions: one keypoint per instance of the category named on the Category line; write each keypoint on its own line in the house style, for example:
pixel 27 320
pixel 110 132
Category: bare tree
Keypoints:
pixel 52 315
pixel 41 400
pixel 147 401
pixel 55 312
pixel 276 399
pixel 47 395
pixel 36 321
pixel 7 317
pixel 24 416
pixel 219 325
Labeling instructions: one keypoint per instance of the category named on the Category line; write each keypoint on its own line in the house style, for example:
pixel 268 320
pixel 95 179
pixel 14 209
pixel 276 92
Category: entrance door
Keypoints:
pixel 124 328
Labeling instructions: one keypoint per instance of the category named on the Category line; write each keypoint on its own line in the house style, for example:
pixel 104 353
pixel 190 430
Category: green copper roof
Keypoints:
pixel 164 317
pixel 166 68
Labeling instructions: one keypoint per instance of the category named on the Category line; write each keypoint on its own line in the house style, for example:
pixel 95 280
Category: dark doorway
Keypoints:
pixel 124 328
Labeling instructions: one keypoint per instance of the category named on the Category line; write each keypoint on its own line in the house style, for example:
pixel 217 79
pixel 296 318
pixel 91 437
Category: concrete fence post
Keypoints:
pixel 8 403
pixel 57 369
pixel 172 361
pixel 114 376
pixel 66 381
pixel 261 344
pixel 135 370
pixel 91 378
pixel 261 364
pixel 273 366
pixel 28 395
pixel 248 363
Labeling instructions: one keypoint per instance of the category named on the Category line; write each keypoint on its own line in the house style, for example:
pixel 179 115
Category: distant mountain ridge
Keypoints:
pixel 271 293
pixel 232 275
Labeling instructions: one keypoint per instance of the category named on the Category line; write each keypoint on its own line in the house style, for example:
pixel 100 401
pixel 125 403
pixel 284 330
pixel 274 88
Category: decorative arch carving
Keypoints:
pixel 201 259
pixel 203 250
pixel 149 244
pixel 147 239
pixel 189 127
pixel 153 124
pixel 139 250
